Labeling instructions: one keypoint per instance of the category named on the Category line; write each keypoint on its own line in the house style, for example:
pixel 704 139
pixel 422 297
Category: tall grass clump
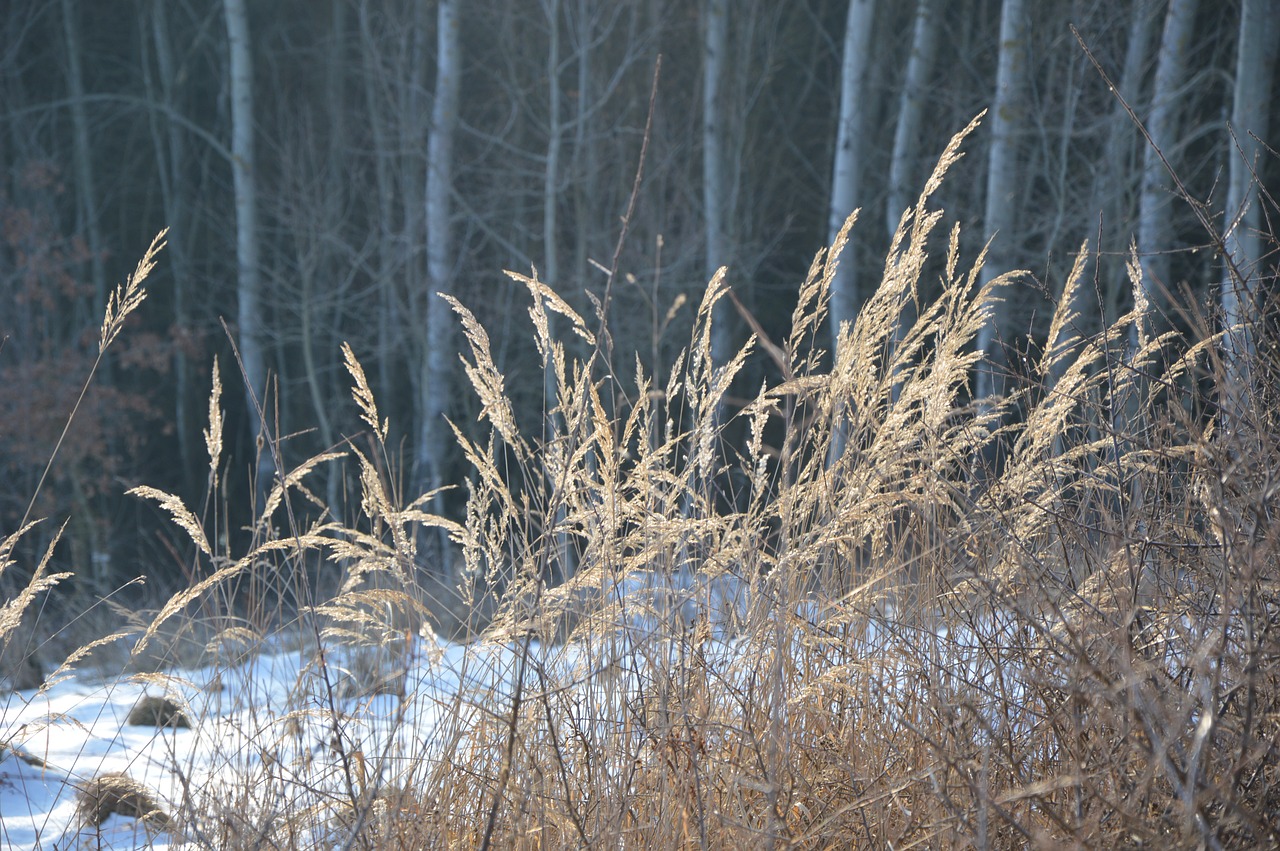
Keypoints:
pixel 839 631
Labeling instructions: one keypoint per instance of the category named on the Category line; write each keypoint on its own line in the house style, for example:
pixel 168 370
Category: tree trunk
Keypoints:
pixel 1250 112
pixel 86 194
pixel 1003 186
pixel 1155 201
pixel 714 188
pixel 438 359
pixel 906 135
pixel 248 272
pixel 559 561
pixel 336 200
pixel 1114 180
pixel 584 148
pixel 845 187
pixel 550 264
pixel 171 156
pixel 381 132
pixel 551 162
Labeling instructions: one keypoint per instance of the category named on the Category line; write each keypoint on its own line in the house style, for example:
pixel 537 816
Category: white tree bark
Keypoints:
pixel 584 144
pixel 714 179
pixel 248 271
pixel 551 164
pixel 438 359
pixel 381 131
pixel 87 206
pixel 1121 135
pixel 1114 179
pixel 848 157
pixel 1250 112
pixel 1156 199
pixel 1003 189
pixel 906 135
pixel 560 562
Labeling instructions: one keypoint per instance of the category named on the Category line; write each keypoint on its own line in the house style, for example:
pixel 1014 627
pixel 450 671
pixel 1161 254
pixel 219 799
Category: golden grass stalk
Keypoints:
pixel 213 434
pixel 129 296
pixel 123 301
pixel 363 395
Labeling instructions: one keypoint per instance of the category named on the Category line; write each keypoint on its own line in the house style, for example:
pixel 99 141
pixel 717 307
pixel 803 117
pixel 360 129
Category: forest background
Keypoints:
pixel 325 167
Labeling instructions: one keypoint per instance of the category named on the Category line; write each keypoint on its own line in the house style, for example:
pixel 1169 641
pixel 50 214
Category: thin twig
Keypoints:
pixel 1219 243
pixel 602 332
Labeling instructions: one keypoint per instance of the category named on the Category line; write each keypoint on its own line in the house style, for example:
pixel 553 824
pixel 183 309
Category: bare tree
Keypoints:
pixel 435 383
pixel 393 49
pixel 86 191
pixel 555 140
pixel 911 103
pixel 169 142
pixel 1250 112
pixel 1003 188
pixel 1155 201
pixel 1114 184
pixel 906 134
pixel 248 272
pixel 714 178
pixel 845 188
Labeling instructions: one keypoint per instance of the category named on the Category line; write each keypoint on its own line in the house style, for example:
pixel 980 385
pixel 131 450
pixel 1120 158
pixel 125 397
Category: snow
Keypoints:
pixel 270 728
pixel 271 710
pixel 264 725
pixel 77 731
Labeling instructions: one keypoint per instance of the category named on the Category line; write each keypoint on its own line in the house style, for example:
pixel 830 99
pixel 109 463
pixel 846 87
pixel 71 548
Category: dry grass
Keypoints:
pixel 152 711
pixel 847 637
pixel 18 662
pixel 118 794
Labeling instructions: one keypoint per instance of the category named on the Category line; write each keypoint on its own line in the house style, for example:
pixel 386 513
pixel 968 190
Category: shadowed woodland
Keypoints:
pixel 770 124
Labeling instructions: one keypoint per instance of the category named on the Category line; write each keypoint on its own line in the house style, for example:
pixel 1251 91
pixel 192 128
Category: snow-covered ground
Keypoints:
pixel 265 722
pixel 271 709
pixel 280 724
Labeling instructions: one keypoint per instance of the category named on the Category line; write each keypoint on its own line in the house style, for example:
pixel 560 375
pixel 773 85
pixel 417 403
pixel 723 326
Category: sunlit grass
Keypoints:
pixel 854 635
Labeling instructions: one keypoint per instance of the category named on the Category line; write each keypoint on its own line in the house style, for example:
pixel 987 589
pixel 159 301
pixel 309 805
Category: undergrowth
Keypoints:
pixel 866 633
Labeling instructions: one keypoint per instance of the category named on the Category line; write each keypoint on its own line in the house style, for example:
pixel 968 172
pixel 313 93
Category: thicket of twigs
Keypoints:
pixel 860 624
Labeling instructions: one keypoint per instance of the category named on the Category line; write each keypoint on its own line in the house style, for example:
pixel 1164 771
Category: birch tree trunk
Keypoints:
pixel 550 264
pixel 1114 184
pixel 248 272
pixel 551 163
pixel 1155 200
pixel 381 132
pixel 906 135
pixel 87 214
pixel 560 562
pixel 439 355
pixel 324 392
pixel 714 187
pixel 848 157
pixel 584 145
pixel 999 219
pixel 1250 112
